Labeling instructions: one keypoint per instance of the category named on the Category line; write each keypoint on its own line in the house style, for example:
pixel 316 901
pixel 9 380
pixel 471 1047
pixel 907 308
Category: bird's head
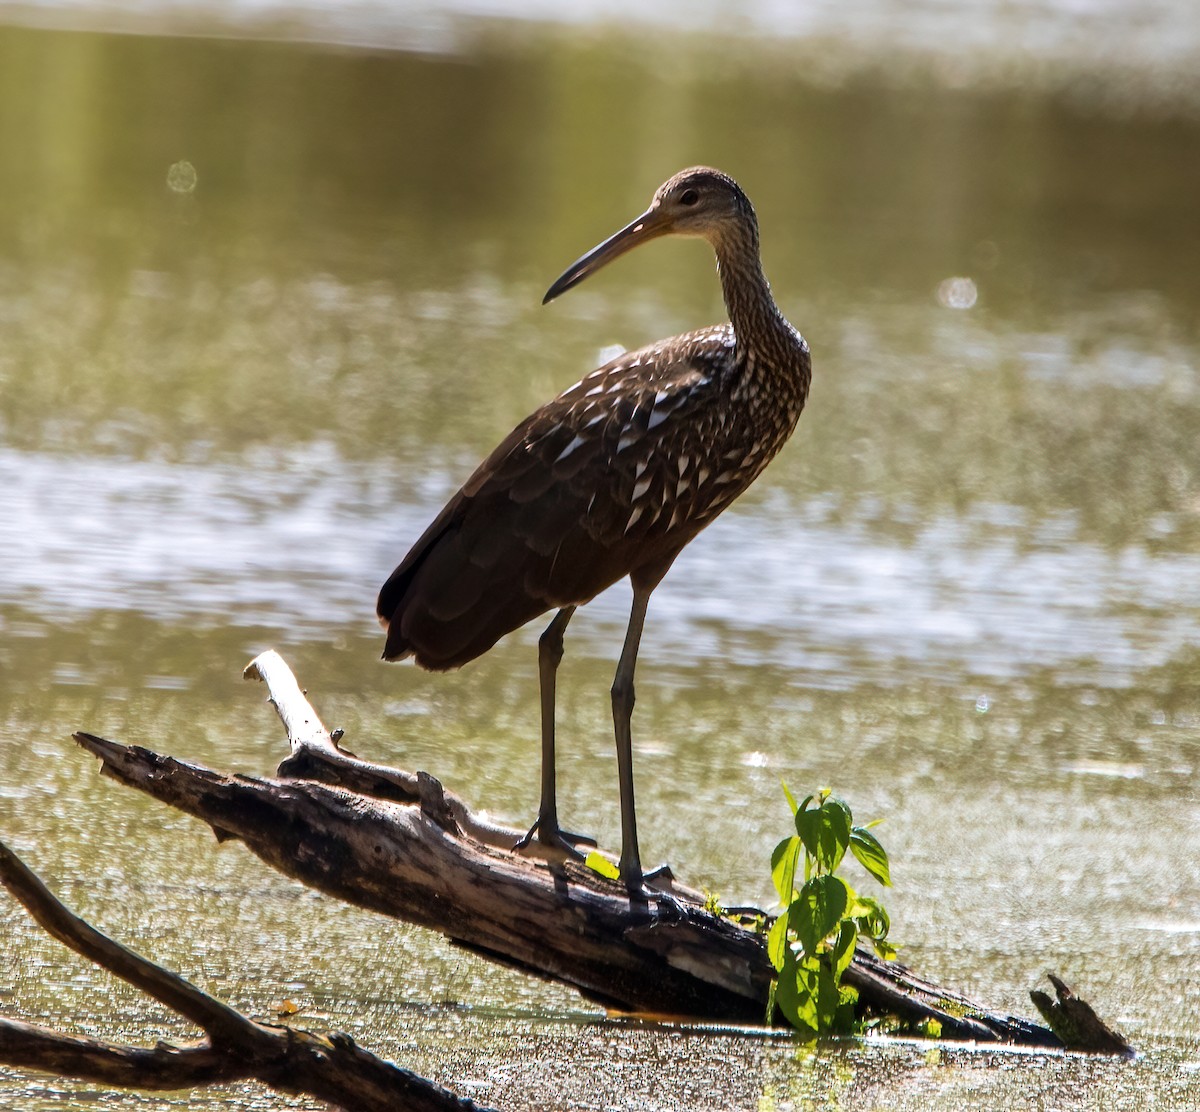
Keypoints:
pixel 696 202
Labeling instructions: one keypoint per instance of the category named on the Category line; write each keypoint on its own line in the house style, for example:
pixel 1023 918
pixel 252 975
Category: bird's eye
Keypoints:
pixel 689 197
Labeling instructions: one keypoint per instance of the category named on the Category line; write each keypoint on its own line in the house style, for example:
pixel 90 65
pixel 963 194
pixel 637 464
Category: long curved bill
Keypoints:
pixel 650 225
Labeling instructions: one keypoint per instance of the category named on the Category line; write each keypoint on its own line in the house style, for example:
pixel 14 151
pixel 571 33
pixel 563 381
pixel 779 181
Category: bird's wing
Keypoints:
pixel 610 442
pixel 562 507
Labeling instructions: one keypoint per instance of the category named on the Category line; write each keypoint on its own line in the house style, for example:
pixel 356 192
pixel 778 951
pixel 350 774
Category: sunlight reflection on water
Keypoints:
pixel 774 584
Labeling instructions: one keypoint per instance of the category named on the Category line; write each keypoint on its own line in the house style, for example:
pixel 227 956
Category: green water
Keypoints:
pixel 967 595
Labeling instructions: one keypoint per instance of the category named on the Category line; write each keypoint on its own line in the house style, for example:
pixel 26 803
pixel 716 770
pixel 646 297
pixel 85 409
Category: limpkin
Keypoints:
pixel 610 479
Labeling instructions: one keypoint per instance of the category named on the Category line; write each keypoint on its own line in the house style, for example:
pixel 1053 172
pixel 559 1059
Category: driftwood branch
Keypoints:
pixel 330 1067
pixel 316 755
pixel 398 843
pixel 1076 1022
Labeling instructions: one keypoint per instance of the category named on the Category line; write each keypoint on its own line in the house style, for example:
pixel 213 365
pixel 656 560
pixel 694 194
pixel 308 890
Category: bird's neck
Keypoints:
pixel 755 317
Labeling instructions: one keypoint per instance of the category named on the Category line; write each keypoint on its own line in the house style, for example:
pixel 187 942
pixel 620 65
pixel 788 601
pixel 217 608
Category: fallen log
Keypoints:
pixel 332 1067
pixel 398 843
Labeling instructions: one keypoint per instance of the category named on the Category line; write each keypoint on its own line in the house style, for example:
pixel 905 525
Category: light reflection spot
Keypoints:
pixel 957 293
pixel 181 177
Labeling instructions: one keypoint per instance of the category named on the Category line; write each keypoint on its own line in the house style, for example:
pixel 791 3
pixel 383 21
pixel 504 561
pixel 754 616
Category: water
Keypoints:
pixel 265 303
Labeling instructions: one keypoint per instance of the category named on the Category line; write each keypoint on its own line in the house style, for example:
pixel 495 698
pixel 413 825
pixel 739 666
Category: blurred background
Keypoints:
pixel 270 284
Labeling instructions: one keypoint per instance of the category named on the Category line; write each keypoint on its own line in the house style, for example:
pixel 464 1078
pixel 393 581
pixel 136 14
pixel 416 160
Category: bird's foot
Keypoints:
pixel 551 834
pixel 638 883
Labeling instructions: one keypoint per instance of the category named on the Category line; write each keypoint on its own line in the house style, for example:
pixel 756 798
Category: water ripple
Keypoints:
pixel 304 543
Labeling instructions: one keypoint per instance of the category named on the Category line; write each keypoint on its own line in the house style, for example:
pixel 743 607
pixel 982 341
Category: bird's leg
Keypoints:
pixel 622 702
pixel 550 653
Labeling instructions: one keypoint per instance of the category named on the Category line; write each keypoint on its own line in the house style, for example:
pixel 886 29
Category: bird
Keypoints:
pixel 611 479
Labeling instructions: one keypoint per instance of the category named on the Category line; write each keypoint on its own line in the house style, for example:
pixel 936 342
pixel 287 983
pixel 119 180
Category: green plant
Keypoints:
pixel 814 938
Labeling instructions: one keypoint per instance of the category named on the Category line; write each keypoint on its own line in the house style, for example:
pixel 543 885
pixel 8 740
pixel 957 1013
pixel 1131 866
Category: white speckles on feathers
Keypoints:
pixel 634 477
pixel 577 442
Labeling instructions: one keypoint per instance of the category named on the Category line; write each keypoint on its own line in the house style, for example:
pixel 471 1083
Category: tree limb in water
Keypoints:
pixel 398 843
pixel 330 1067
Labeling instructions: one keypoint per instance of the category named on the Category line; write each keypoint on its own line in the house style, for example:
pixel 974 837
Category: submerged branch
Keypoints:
pixel 222 1023
pixel 329 1067
pixel 30 1046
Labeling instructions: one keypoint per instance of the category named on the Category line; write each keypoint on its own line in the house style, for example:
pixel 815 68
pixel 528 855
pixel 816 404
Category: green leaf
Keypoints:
pixel 825 832
pixel 872 918
pixel 598 863
pixel 777 941
pixel 871 855
pixel 817 995
pixel 841 805
pixel 828 998
pixel 796 1000
pixel 843 947
pixel 884 949
pixel 784 859
pixel 790 798
pixel 847 999
pixel 818 910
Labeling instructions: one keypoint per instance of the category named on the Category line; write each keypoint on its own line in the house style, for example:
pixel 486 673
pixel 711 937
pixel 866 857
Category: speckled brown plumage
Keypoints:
pixel 615 475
